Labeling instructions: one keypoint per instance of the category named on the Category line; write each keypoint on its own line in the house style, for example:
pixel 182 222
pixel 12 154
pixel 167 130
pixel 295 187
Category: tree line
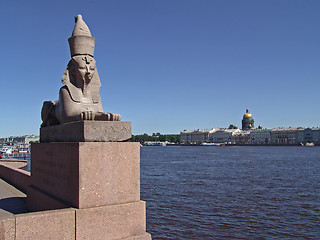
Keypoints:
pixel 156 137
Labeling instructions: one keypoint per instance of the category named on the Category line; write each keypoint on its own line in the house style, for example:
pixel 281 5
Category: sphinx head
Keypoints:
pixel 82 69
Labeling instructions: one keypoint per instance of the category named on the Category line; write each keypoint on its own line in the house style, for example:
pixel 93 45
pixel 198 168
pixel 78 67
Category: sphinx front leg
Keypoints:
pixel 102 116
pixel 87 115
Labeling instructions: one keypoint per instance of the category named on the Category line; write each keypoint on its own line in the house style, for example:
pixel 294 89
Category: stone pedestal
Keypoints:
pixel 99 180
pixel 87 131
pixel 87 174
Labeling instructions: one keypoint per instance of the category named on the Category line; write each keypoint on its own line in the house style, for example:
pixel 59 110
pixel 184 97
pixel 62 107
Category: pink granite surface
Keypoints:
pixel 87 131
pixel 40 201
pixel 56 224
pixel 7 225
pixel 109 174
pixel 145 236
pixel 55 170
pixel 87 174
pixel 111 222
pixel 15 176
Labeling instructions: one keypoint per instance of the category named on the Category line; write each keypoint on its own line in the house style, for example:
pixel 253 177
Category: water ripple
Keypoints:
pixel 231 192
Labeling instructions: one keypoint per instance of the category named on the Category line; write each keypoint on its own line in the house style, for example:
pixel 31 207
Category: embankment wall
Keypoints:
pixel 19 178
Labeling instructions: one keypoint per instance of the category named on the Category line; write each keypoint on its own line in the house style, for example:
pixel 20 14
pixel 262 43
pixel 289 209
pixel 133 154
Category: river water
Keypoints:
pixel 231 192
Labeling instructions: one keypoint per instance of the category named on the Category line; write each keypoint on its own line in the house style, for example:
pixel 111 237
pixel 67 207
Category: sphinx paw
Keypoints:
pixel 115 117
pixel 87 115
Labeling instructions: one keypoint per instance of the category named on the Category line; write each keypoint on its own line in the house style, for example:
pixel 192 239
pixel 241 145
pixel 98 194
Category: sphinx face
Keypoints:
pixel 84 68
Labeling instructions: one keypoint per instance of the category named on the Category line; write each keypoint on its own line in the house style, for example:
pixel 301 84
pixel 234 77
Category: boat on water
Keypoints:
pixel 162 144
pixel 308 144
pixel 210 144
pixel 6 149
pixel 213 144
pixel 311 144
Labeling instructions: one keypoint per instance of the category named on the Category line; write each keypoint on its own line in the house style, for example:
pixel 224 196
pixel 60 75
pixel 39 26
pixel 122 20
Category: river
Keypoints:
pixel 231 192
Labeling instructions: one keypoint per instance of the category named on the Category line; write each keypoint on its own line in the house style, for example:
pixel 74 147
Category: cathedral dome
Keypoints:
pixel 247 114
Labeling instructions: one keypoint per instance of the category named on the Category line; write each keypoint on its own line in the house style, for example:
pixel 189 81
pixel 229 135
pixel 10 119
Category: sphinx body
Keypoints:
pixel 79 98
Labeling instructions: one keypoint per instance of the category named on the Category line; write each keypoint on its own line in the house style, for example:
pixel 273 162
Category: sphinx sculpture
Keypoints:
pixel 79 98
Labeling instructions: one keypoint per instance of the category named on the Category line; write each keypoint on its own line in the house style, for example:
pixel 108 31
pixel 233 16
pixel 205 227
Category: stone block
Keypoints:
pixel 40 201
pixel 87 174
pixel 112 222
pixel 57 224
pixel 55 171
pixel 7 225
pixel 145 236
pixel 87 131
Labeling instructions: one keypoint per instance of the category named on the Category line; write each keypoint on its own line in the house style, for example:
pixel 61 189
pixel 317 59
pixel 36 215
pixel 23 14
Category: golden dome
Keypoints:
pixel 247 114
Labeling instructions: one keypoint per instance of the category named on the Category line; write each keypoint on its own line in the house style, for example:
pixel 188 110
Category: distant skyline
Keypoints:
pixel 168 65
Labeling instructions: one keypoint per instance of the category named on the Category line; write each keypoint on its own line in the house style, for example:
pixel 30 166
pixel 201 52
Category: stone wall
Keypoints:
pixel 17 177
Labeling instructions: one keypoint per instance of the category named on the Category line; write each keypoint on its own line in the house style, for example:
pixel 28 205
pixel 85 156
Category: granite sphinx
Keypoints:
pixel 79 98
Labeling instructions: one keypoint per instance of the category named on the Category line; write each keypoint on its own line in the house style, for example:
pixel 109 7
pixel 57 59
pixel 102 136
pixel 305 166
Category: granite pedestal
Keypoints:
pixel 99 179
pixel 87 131
pixel 86 174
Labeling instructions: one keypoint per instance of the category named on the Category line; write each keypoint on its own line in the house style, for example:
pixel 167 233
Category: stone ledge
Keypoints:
pixel 123 221
pixel 55 224
pixel 145 236
pixel 115 222
pixel 87 131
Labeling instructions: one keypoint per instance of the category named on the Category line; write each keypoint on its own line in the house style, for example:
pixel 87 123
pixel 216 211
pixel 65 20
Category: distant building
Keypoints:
pixel 260 136
pixel 224 135
pixel 26 139
pixel 4 140
pixel 249 135
pixel 23 140
pixel 316 135
pixel 241 137
pixel 185 136
pixel 308 135
pixel 247 121
pixel 284 135
pixel 197 136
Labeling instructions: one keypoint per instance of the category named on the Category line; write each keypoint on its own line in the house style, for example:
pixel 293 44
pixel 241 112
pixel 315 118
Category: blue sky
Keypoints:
pixel 168 65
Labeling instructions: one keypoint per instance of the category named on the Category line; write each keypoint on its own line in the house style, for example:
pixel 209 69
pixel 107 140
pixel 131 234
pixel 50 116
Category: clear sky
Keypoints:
pixel 168 65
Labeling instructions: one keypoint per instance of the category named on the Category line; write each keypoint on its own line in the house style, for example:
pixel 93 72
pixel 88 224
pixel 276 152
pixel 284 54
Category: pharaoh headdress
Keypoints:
pixel 81 43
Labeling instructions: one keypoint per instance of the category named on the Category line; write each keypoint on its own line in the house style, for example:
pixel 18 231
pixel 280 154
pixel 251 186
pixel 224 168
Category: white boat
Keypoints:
pixel 6 149
pixel 155 144
pixel 210 144
pixel 309 144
